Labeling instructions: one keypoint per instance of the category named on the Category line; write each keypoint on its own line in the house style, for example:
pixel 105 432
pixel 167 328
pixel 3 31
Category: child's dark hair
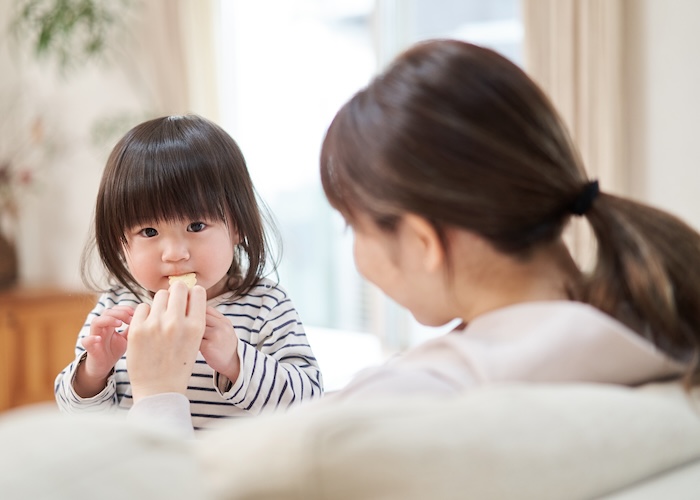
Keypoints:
pixel 179 168
pixel 458 134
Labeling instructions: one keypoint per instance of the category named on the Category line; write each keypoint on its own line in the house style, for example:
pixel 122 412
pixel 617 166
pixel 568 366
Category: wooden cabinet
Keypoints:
pixel 38 331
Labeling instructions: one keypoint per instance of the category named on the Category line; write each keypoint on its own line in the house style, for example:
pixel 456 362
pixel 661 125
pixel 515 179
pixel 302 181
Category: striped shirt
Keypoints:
pixel 278 367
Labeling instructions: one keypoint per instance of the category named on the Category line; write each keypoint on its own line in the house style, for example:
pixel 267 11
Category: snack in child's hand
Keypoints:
pixel 189 279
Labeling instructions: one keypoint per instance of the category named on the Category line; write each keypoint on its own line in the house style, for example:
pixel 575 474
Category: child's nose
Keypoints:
pixel 175 250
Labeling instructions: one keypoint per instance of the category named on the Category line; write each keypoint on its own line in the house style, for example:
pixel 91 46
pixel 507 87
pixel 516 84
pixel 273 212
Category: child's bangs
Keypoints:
pixel 172 191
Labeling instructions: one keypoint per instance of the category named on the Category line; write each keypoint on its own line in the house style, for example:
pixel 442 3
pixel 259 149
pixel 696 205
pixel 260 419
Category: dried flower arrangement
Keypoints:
pixel 19 163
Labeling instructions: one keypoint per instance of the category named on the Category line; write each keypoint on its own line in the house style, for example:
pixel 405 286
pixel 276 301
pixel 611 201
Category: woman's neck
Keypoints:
pixel 548 274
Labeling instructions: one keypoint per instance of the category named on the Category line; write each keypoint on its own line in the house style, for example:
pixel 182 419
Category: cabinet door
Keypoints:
pixel 38 335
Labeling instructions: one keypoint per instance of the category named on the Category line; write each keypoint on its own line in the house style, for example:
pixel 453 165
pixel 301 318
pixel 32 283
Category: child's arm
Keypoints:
pixel 105 345
pixel 276 366
pixel 88 384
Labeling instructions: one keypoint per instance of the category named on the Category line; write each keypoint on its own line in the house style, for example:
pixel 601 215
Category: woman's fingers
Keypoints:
pixel 197 304
pixel 160 301
pixel 177 298
pixel 164 340
pixel 173 306
pixel 141 313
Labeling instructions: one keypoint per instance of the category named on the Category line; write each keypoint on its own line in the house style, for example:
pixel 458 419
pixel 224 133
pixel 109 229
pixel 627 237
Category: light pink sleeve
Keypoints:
pixel 170 409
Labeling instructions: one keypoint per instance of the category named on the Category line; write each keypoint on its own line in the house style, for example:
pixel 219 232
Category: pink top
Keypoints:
pixel 546 342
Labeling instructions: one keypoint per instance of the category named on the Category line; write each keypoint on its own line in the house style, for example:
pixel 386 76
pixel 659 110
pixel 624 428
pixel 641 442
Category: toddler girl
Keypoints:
pixel 176 200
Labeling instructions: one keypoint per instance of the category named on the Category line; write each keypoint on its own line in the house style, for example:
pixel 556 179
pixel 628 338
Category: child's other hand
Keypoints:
pixel 220 345
pixel 105 345
pixel 164 339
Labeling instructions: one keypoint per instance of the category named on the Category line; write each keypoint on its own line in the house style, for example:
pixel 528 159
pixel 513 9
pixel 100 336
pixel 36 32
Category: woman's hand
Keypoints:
pixel 164 339
pixel 220 345
pixel 105 346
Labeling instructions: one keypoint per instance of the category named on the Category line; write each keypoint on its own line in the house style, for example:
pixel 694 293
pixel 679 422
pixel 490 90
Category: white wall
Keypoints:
pixel 56 216
pixel 663 43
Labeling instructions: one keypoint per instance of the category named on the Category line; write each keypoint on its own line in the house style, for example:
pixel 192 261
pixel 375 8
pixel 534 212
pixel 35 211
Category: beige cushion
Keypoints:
pixel 52 456
pixel 515 441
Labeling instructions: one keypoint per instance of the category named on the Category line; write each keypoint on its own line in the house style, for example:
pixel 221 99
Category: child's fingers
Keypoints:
pixel 106 321
pixel 127 309
pixel 90 342
pixel 215 321
pixel 104 326
pixel 122 315
pixel 213 314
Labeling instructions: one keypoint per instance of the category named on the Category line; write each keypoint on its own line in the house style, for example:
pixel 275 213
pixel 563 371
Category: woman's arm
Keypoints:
pixel 169 409
pixel 163 342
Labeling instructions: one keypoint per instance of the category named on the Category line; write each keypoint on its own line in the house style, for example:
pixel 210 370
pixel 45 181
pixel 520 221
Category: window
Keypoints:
pixel 289 66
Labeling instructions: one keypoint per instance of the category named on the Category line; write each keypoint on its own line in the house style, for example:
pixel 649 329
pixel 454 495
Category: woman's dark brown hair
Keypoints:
pixel 178 168
pixel 463 137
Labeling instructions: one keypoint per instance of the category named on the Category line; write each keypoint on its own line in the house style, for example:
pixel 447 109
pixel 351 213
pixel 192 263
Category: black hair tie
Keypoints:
pixel 585 199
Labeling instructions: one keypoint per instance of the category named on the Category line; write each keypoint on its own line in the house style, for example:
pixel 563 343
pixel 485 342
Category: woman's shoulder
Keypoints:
pixel 540 326
pixel 552 314
pixel 544 341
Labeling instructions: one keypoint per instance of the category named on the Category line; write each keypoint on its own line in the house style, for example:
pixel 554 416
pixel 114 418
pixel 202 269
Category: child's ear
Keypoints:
pixel 431 251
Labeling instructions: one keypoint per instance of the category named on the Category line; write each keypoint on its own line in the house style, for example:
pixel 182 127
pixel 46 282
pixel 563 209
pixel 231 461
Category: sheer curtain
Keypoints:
pixel 574 50
pixel 177 67
pixel 199 28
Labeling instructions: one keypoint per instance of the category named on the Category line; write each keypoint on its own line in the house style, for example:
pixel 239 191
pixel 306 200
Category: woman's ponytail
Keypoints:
pixel 647 275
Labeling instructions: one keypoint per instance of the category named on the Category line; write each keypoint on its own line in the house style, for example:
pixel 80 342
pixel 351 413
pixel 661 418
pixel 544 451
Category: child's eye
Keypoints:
pixel 196 227
pixel 148 232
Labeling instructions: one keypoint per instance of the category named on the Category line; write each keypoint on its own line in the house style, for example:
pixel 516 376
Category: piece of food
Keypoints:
pixel 189 279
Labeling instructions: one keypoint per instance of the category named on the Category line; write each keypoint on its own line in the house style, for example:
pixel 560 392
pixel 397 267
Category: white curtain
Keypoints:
pixel 574 50
pixel 199 27
pixel 178 64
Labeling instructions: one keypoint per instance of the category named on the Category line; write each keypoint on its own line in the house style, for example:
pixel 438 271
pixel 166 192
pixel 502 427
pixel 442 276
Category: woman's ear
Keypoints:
pixel 430 250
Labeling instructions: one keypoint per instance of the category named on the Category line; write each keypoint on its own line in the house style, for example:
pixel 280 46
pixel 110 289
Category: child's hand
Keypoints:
pixel 104 346
pixel 164 339
pixel 220 345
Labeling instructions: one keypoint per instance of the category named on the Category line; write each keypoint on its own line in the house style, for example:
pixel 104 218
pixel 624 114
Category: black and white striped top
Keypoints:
pixel 278 367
